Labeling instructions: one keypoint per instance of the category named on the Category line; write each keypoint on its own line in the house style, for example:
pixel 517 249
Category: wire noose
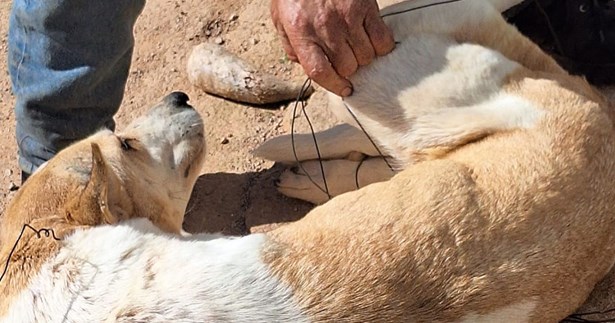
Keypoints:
pixel 301 100
pixel 44 231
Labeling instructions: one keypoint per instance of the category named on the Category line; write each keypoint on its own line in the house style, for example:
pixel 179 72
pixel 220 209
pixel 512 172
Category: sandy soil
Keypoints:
pixel 235 192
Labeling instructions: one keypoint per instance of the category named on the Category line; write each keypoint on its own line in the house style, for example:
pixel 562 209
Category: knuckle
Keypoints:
pixel 321 21
pixel 299 22
pixel 354 19
pixel 365 60
pixel 383 44
pixel 347 69
pixel 317 72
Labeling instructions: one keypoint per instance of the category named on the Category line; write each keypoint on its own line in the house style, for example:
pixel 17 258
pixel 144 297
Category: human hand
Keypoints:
pixel 331 38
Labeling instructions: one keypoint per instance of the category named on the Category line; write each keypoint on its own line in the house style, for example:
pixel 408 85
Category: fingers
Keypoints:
pixel 331 39
pixel 361 46
pixel 317 66
pixel 341 57
pixel 380 35
pixel 275 17
pixel 288 48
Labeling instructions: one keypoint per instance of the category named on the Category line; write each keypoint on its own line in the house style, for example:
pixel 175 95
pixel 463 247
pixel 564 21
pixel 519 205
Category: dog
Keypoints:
pixel 448 94
pixel 353 159
pixel 501 208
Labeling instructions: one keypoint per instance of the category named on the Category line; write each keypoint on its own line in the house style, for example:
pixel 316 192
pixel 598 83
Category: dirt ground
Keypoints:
pixel 235 192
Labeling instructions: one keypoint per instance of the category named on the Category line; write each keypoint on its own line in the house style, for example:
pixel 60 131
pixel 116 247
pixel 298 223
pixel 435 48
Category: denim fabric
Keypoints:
pixel 68 61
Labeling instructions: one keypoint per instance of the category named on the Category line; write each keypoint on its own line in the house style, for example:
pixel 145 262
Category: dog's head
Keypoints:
pixel 147 170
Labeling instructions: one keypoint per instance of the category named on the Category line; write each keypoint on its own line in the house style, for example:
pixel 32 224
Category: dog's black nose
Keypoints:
pixel 177 99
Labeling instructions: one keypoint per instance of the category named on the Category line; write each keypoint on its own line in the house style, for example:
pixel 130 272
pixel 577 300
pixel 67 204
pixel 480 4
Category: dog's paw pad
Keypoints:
pixel 294 183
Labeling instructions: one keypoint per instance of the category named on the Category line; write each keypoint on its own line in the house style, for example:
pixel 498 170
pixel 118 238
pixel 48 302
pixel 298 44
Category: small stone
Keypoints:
pixel 224 141
pixel 233 17
pixel 209 67
pixel 8 172
pixel 219 40
pixel 254 41
pixel 13 187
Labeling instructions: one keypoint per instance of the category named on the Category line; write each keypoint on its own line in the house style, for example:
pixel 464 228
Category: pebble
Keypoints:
pixel 8 172
pixel 224 141
pixel 233 17
pixel 219 40
pixel 13 187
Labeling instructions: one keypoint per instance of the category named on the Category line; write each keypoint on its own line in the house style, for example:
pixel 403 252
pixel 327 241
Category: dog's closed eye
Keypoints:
pixel 127 143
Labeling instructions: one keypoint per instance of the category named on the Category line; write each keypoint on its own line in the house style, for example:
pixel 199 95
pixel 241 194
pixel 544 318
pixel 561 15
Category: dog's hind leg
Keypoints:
pixel 338 142
pixel 342 176
pixel 446 129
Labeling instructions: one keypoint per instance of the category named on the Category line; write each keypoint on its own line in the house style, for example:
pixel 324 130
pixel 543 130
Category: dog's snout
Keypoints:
pixel 177 99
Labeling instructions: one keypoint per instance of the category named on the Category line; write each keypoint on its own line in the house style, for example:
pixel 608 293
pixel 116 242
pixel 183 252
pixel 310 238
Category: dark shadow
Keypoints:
pixel 265 106
pixel 236 203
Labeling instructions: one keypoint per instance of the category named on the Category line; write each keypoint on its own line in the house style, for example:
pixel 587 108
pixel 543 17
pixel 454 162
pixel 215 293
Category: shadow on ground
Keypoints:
pixel 237 203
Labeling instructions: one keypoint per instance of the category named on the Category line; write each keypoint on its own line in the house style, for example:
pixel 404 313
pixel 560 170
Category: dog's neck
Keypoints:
pixel 42 208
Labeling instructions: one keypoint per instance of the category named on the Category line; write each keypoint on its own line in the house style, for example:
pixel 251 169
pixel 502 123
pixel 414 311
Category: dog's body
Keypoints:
pixel 502 209
pixel 515 163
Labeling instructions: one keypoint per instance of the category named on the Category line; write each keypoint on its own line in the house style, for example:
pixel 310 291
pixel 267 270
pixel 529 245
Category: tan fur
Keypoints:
pixel 90 183
pixel 506 217
pixel 510 215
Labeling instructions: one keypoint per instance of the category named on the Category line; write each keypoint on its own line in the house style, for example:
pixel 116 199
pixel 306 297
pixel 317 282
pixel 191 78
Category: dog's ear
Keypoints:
pixel 90 206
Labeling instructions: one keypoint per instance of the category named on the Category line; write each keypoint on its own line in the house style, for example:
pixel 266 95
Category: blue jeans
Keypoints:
pixel 68 61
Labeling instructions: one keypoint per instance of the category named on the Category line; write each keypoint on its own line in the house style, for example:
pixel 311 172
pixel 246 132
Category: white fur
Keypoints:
pixel 503 5
pixel 448 125
pixel 430 19
pixel 134 272
pixel 352 139
pixel 423 115
pixel 516 313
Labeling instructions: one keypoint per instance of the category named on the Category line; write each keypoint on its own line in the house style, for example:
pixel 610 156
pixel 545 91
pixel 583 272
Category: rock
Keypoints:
pixel 8 172
pixel 219 40
pixel 224 141
pixel 219 72
pixel 13 187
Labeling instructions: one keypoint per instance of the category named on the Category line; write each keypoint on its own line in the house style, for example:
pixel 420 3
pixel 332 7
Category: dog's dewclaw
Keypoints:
pixel 219 72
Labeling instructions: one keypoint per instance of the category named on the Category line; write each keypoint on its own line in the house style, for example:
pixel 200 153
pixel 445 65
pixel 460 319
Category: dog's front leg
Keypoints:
pixel 334 143
pixel 305 181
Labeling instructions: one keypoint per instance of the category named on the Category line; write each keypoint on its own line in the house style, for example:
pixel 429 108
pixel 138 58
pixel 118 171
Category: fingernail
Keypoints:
pixel 347 91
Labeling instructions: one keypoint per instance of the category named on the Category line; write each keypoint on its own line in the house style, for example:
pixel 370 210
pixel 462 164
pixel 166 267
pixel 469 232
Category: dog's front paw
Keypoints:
pixel 278 149
pixel 295 182
pixel 305 181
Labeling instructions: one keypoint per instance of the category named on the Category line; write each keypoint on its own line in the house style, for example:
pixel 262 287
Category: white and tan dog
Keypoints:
pixel 502 210
pixel 409 101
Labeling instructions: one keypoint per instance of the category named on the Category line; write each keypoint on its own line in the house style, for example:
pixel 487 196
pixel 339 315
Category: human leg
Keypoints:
pixel 68 61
